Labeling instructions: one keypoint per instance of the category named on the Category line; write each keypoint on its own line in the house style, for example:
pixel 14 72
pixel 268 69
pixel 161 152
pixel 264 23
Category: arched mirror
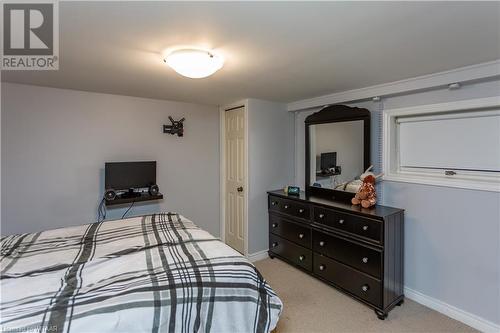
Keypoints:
pixel 337 151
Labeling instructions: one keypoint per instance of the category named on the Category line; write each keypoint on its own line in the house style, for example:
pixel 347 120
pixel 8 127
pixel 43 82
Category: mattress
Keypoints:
pixel 155 273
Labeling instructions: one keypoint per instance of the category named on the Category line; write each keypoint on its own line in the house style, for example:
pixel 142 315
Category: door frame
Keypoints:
pixel 222 164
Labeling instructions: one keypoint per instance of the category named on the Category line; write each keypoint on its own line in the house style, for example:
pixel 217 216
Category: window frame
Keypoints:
pixel 475 180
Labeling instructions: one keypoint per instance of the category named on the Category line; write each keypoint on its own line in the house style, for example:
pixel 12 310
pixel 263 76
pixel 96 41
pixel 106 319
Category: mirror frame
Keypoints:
pixel 335 114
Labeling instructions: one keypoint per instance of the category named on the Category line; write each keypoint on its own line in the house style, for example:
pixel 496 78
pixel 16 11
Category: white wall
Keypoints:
pixel 452 236
pixel 270 154
pixel 55 142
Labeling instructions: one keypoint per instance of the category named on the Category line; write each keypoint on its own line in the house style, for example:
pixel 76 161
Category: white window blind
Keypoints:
pixel 451 141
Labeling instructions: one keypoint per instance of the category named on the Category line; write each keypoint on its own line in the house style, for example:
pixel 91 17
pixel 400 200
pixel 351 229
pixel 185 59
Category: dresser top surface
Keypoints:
pixel 376 211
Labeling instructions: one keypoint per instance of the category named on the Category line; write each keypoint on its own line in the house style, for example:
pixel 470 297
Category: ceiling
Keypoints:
pixel 279 51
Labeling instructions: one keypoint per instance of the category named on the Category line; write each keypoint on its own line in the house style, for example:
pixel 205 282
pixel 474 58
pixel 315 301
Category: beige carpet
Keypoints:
pixel 311 306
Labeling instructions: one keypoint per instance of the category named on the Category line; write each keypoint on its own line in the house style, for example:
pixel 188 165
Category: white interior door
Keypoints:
pixel 235 176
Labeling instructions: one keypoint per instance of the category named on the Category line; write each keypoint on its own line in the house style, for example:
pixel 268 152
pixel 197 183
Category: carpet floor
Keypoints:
pixel 311 306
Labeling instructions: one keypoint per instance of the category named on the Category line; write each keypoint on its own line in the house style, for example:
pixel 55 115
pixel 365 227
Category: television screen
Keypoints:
pixel 126 175
pixel 328 160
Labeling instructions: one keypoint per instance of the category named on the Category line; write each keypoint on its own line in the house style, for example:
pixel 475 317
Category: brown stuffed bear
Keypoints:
pixel 366 195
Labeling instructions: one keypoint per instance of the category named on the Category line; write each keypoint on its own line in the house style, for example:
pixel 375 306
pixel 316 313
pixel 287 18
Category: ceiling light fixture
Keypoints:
pixel 194 63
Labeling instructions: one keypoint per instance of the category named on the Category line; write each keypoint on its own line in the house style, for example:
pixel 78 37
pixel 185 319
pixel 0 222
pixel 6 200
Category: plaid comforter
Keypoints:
pixel 157 273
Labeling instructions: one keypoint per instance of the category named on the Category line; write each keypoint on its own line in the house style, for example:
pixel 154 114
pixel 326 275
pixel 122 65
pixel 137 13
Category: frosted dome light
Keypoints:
pixel 194 63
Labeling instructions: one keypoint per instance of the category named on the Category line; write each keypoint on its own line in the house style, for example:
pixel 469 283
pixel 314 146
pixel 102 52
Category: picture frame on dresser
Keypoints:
pixel 359 251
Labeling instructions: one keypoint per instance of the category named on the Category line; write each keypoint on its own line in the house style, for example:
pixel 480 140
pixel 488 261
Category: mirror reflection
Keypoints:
pixel 337 155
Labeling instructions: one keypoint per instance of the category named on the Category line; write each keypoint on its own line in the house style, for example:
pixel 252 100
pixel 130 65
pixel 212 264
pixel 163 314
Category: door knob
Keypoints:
pixel 240 189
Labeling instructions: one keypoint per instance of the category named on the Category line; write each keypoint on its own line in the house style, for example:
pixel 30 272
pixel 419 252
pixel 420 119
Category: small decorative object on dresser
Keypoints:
pixel 292 190
pixel 357 250
pixel 366 194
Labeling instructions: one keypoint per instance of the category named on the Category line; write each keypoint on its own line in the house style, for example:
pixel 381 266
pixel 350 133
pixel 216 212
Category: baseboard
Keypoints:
pixel 467 318
pixel 261 255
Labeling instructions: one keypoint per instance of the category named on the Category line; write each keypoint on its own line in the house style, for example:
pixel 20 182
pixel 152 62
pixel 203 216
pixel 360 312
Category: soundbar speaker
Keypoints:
pixel 110 194
pixel 154 190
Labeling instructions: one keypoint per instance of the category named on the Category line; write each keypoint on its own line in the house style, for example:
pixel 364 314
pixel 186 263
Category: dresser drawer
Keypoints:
pixel 289 230
pixel 360 257
pixel 368 228
pixel 358 225
pixel 289 207
pixel 275 203
pixel 333 219
pixel 298 255
pixel 359 284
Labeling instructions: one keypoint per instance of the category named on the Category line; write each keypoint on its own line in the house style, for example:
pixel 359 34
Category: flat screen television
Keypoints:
pixel 126 175
pixel 328 160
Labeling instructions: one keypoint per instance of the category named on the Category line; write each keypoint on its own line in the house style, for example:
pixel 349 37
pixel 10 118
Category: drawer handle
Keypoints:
pixel 365 288
pixel 274 203
pixel 286 206
pixel 301 210
pixel 275 244
pixel 301 236
pixel 321 243
pixel 301 258
pixel 365 260
pixel 322 267
pixel 341 221
pixel 365 227
pixel 275 225
pixel 321 216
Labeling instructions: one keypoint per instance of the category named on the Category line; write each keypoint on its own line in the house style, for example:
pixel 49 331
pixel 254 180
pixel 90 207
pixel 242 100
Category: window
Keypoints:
pixel 451 144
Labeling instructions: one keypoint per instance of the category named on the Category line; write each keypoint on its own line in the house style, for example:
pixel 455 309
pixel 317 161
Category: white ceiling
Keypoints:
pixel 280 51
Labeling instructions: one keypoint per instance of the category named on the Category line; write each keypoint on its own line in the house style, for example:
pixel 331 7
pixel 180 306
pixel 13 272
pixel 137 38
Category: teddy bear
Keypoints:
pixel 366 194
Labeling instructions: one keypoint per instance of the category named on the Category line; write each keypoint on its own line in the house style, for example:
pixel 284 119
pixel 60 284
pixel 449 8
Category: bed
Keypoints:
pixel 155 273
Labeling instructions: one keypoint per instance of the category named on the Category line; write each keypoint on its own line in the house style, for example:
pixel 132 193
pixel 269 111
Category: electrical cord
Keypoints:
pixel 101 211
pixel 123 216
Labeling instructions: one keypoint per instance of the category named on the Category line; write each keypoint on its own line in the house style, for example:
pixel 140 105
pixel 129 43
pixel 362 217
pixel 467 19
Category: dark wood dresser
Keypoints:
pixel 357 250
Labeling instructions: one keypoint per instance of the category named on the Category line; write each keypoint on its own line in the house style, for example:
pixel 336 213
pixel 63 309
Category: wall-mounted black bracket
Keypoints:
pixel 177 127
